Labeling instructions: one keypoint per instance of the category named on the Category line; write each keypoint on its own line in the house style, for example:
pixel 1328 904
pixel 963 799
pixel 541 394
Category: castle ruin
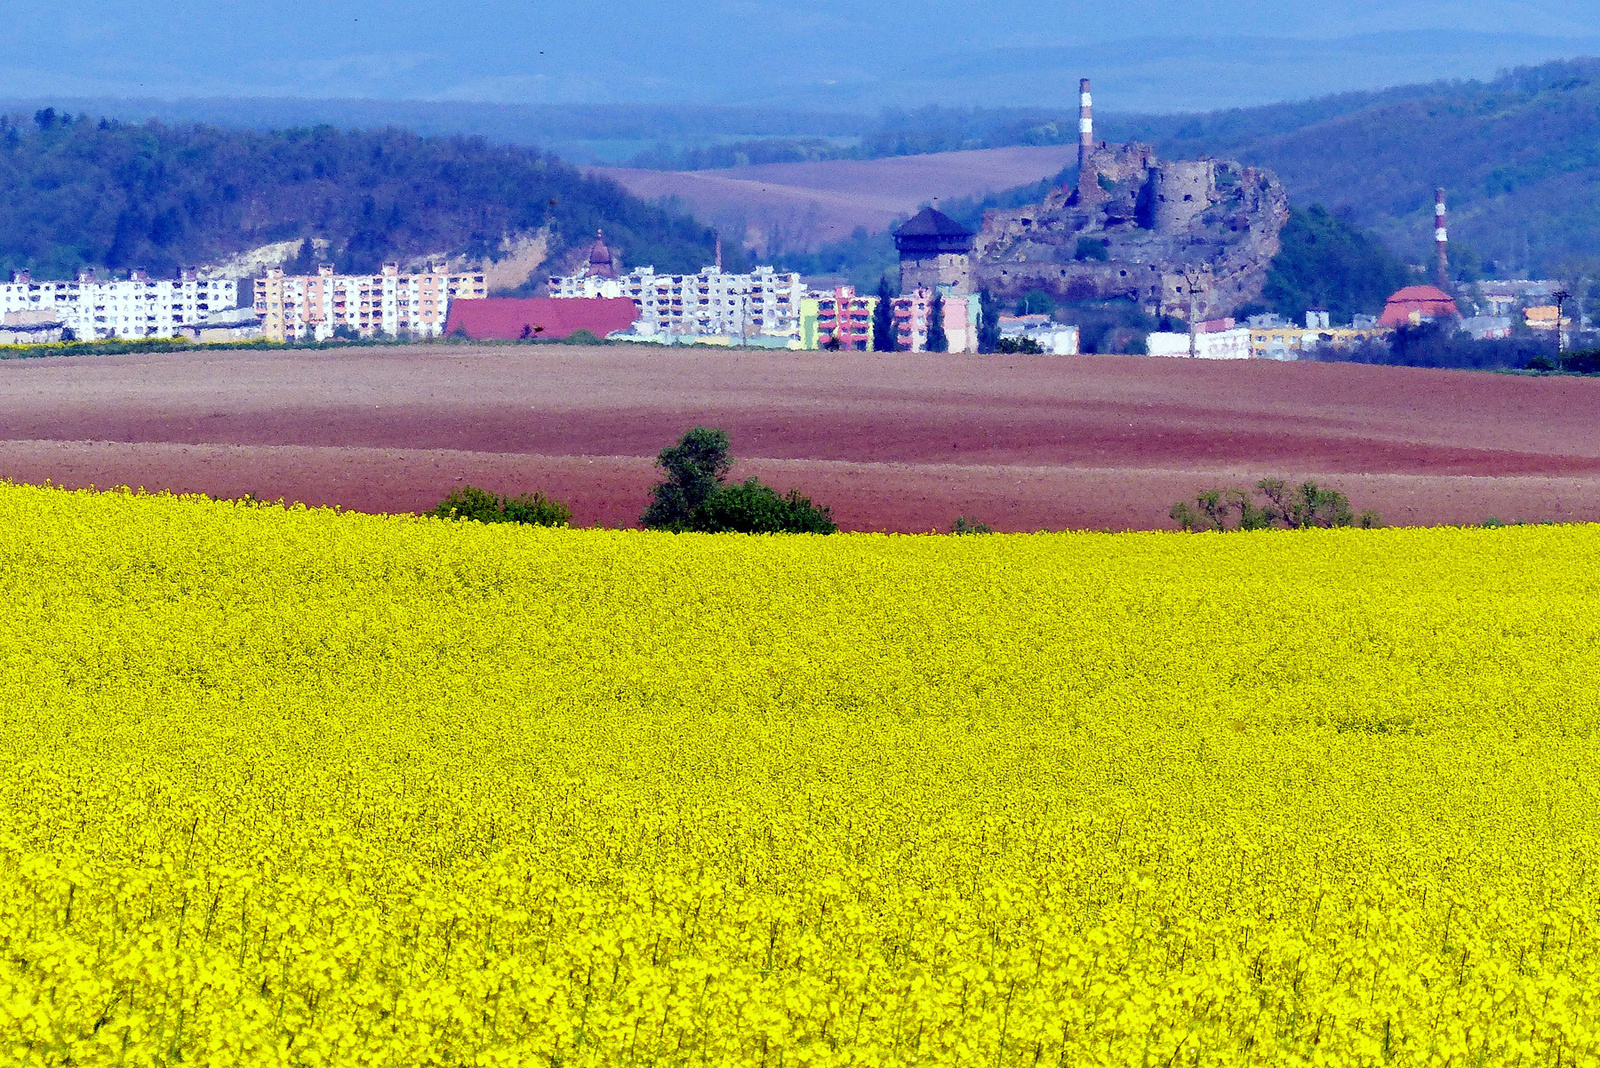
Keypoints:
pixel 1177 238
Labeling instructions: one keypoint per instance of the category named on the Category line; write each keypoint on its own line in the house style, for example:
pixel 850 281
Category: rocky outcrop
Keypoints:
pixel 1159 234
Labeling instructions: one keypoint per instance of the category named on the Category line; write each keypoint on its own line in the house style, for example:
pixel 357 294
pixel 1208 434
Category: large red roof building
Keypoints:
pixel 530 318
pixel 1413 304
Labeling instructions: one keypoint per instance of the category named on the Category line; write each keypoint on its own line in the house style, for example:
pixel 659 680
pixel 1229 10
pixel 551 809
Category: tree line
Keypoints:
pixel 105 194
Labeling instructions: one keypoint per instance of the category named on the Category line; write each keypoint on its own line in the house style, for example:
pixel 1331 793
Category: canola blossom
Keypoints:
pixel 296 787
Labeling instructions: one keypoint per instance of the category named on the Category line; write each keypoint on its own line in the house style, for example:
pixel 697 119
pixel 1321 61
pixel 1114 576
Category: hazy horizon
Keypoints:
pixel 1206 55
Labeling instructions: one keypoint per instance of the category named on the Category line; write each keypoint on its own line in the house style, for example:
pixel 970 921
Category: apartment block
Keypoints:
pixel 388 302
pixel 912 314
pixel 837 319
pixel 131 308
pixel 712 303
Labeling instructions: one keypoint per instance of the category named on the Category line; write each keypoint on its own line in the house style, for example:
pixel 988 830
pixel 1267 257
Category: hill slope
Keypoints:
pixel 800 206
pixel 1520 157
pixel 78 193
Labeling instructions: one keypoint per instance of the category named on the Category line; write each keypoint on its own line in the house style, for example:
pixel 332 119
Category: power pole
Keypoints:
pixel 1192 277
pixel 1561 296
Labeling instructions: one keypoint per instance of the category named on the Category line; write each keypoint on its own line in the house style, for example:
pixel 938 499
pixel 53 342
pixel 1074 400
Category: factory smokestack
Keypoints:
pixel 1085 124
pixel 1441 237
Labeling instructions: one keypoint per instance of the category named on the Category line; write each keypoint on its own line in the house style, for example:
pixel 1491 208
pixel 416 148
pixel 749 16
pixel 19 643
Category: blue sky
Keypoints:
pixel 1147 54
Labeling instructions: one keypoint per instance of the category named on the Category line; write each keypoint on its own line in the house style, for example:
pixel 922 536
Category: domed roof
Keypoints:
pixel 600 262
pixel 1414 303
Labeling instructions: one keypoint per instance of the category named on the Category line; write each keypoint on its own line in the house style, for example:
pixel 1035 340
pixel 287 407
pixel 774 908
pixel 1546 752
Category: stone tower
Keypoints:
pixel 935 251
pixel 1182 192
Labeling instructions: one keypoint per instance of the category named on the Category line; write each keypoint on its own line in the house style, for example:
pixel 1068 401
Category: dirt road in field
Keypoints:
pixel 890 441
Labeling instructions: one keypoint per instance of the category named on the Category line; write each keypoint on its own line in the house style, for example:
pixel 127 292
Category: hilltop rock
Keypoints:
pixel 1139 229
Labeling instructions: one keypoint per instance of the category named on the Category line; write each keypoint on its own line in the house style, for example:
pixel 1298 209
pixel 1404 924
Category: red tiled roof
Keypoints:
pixel 516 318
pixel 1427 301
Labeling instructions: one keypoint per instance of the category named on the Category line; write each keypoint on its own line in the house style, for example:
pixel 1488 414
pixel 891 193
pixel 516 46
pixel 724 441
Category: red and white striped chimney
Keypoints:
pixel 1441 237
pixel 1085 124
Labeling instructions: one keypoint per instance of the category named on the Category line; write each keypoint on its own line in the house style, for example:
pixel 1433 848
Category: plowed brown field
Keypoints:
pixel 890 441
pixel 806 205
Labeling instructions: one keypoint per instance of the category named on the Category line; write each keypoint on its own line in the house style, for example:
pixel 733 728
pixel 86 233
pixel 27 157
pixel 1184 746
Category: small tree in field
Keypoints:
pixel 695 467
pixel 693 497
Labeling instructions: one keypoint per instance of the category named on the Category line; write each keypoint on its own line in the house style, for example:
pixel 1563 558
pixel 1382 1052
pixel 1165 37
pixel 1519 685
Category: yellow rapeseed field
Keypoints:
pixel 294 787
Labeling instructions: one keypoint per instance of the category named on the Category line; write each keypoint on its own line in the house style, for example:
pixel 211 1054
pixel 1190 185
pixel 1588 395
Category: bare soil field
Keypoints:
pixel 810 204
pixel 900 442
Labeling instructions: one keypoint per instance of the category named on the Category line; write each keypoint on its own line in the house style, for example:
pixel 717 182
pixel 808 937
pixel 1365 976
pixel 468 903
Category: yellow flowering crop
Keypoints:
pixel 293 787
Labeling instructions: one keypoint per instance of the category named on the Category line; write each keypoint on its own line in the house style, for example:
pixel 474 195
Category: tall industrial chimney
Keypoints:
pixel 1441 237
pixel 1085 124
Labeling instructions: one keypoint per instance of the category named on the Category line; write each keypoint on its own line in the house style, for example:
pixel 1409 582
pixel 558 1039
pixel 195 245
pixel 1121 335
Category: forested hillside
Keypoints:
pixel 1519 156
pixel 76 192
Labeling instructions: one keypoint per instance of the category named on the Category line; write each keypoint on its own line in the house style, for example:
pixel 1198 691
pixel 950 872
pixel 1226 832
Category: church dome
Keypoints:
pixel 601 263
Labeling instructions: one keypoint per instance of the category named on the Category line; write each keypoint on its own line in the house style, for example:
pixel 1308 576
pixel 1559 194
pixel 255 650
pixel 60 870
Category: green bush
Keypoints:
pixel 968 525
pixel 693 496
pixel 755 508
pixel 1294 508
pixel 470 502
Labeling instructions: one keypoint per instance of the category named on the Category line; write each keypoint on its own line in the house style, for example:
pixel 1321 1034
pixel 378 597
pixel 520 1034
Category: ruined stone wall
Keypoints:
pixel 1227 229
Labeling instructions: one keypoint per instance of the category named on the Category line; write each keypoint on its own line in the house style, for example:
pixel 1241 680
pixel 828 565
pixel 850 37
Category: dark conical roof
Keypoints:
pixel 931 222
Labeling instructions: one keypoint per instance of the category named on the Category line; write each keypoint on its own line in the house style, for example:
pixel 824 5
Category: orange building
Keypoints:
pixel 1415 304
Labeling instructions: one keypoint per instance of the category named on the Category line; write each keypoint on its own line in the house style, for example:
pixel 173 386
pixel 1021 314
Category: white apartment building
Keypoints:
pixel 388 302
pixel 712 303
pixel 136 307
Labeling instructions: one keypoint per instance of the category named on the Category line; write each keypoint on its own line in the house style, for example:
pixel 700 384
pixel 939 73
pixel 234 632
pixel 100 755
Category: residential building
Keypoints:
pixel 1543 317
pixel 1273 338
pixel 1487 327
pixel 911 319
pixel 1499 297
pixel 1056 339
pixel 1232 343
pixel 754 308
pixel 837 318
pixel 388 302
pixel 130 308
